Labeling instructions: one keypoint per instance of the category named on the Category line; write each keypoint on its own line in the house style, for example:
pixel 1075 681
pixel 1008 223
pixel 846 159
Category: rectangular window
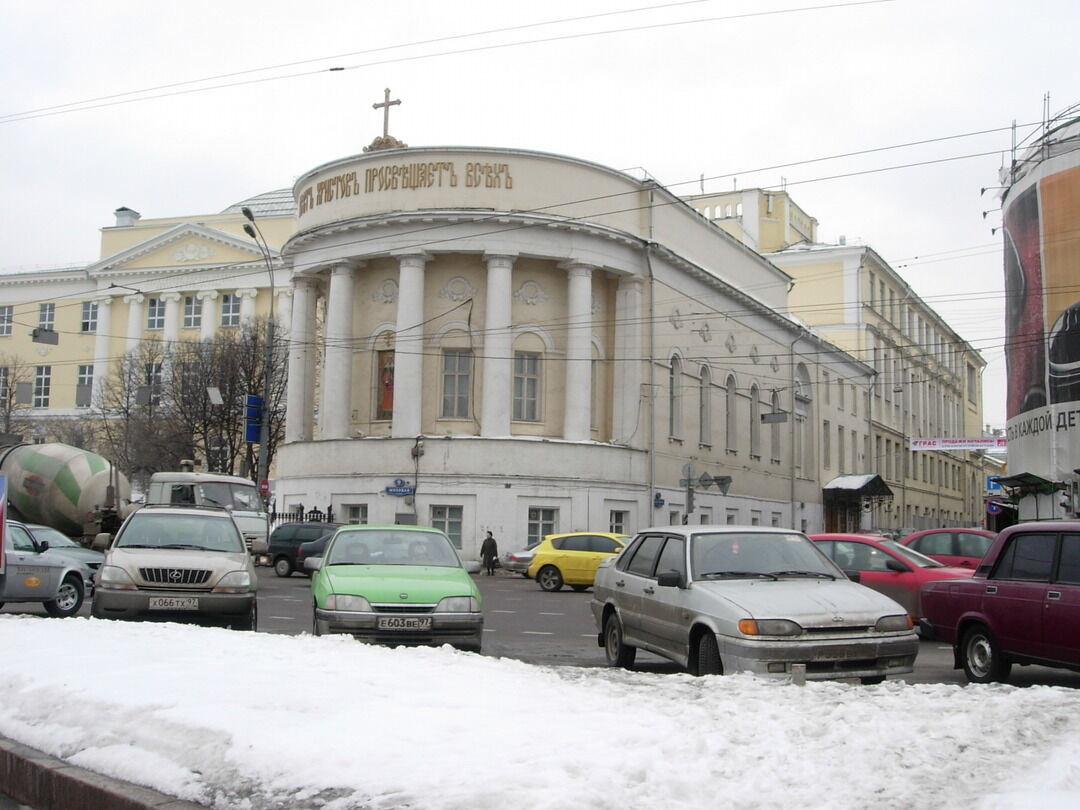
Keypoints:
pixel 730 517
pixel 755 517
pixel 826 444
pixel 825 384
pixel 448 520
pixel 88 321
pixel 192 312
pixel 230 310
pixel 356 513
pixel 155 313
pixel 972 389
pixel 42 386
pixel 542 521
pixel 5 320
pixel 526 386
pixel 46 316
pixel 840 393
pixel 841 449
pixel 617 521
pixel 384 389
pixel 84 386
pixel 457 382
pixel 152 381
pixel 774 520
pixel 5 381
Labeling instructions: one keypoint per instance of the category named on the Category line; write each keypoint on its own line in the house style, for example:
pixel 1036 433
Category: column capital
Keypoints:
pixel 349 267
pixel 247 292
pixel 169 296
pixel 206 295
pixel 500 259
pixel 411 258
pixel 104 301
pixel 631 282
pixel 576 268
pixel 134 298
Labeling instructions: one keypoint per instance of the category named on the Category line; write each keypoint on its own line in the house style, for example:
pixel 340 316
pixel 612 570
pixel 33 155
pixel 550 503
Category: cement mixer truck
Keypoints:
pixel 72 490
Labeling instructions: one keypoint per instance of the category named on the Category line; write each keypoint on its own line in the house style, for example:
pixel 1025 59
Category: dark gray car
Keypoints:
pixel 29 572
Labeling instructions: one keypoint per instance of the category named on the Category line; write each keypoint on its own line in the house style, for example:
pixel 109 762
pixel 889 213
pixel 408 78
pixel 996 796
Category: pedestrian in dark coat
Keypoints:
pixel 489 553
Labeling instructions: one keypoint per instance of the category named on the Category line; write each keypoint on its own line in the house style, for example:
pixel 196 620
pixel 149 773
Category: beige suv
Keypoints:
pixel 177 563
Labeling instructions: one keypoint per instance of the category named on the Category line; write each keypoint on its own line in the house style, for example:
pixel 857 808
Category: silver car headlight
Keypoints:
pixel 233 582
pixel 894 624
pixel 769 627
pixel 114 576
pixel 458 604
pixel 346 601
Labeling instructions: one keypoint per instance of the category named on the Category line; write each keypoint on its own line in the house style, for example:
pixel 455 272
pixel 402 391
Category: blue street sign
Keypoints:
pixel 992 485
pixel 253 413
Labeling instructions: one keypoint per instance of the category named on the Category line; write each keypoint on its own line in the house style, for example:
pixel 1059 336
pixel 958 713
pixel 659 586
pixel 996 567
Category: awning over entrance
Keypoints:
pixel 853 487
pixel 1026 483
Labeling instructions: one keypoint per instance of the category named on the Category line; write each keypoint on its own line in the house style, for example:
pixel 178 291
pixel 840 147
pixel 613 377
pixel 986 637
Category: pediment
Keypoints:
pixel 188 245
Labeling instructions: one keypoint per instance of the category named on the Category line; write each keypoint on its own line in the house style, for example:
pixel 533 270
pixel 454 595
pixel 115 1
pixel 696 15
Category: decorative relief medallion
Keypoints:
pixel 458 289
pixel 729 344
pixel 192 252
pixel 704 333
pixel 676 318
pixel 530 293
pixel 754 355
pixel 385 293
pixel 774 364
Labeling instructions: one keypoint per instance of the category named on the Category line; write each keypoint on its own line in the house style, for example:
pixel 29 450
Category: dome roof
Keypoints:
pixel 277 203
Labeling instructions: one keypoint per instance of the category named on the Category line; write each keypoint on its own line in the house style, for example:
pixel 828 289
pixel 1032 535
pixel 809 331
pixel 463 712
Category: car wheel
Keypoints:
pixel 872 680
pixel 282 567
pixel 549 578
pixel 68 599
pixel 983 662
pixel 579 588
pixel 250 621
pixel 617 653
pixel 708 655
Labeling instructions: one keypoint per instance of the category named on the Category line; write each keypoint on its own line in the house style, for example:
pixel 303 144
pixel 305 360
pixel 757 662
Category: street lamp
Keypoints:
pixel 252 230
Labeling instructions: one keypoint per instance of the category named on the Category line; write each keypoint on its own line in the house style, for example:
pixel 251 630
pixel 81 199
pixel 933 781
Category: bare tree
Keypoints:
pixel 13 372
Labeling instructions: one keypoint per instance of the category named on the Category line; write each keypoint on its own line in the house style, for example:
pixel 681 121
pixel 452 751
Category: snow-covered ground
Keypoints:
pixel 245 720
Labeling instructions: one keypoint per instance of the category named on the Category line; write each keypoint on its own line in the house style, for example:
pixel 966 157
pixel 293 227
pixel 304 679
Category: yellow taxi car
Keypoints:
pixel 572 558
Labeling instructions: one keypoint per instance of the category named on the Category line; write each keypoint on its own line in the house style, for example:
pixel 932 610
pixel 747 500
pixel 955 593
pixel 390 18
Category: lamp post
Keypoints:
pixel 252 230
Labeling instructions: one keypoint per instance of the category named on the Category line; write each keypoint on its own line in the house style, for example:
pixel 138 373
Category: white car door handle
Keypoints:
pixel 619 583
pixel 649 589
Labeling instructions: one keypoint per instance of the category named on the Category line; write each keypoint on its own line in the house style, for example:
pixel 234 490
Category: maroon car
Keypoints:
pixel 959 547
pixel 1022 606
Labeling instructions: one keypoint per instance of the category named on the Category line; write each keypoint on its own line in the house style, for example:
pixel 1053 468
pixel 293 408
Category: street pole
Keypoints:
pixel 252 230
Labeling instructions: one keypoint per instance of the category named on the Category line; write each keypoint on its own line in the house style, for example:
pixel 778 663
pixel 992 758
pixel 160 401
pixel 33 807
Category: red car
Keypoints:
pixel 886 566
pixel 958 547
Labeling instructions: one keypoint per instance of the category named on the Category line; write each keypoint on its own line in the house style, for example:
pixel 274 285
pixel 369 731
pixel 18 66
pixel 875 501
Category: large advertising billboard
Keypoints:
pixel 1042 340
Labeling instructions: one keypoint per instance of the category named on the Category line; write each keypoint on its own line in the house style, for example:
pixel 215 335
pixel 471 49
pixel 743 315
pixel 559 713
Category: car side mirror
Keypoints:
pixel 471 567
pixel 854 576
pixel 312 563
pixel 101 541
pixel 669 579
pixel 42 546
pixel 897 566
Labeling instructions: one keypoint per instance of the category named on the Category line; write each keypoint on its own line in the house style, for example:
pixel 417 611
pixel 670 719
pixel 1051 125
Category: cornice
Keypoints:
pixel 171 236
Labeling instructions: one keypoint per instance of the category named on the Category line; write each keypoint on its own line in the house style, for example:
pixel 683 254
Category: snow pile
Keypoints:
pixel 245 720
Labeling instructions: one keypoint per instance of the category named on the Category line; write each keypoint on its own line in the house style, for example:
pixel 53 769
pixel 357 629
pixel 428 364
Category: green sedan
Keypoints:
pixel 396 585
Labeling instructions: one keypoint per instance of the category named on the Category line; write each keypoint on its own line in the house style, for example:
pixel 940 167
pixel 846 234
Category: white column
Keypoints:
pixel 135 321
pixel 627 369
pixel 498 349
pixel 577 418
pixel 298 402
pixel 208 317
pixel 247 304
pixel 409 346
pixel 101 348
pixel 283 308
pixel 172 316
pixel 335 408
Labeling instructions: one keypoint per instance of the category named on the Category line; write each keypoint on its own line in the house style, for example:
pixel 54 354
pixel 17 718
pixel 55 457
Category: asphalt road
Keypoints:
pixel 528 624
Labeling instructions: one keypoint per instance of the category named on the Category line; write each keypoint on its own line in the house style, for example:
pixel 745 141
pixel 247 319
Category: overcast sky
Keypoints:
pixel 741 86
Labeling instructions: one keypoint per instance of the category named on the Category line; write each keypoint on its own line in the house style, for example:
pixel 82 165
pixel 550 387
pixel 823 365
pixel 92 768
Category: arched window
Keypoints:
pixel 774 431
pixel 755 422
pixel 675 398
pixel 731 431
pixel 705 407
pixel 803 411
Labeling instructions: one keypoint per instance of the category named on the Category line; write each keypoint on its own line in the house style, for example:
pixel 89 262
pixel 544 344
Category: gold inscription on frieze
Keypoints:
pixel 404 176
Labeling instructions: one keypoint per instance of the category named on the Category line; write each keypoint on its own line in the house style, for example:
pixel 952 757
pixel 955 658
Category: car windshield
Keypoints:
pixel 55 538
pixel 391 547
pixel 909 554
pixel 239 496
pixel 172 531
pixel 764 555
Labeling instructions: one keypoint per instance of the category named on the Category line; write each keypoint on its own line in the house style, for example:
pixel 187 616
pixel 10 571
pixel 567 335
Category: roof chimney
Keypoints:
pixel 125 217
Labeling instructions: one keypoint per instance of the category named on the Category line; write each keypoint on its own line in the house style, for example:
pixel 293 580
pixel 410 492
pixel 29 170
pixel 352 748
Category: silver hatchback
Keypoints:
pixel 726 599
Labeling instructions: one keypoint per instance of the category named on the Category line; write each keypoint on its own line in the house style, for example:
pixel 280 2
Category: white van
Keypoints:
pixel 214 489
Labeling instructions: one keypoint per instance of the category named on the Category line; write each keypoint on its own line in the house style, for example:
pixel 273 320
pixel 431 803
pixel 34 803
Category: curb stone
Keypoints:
pixel 46 783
